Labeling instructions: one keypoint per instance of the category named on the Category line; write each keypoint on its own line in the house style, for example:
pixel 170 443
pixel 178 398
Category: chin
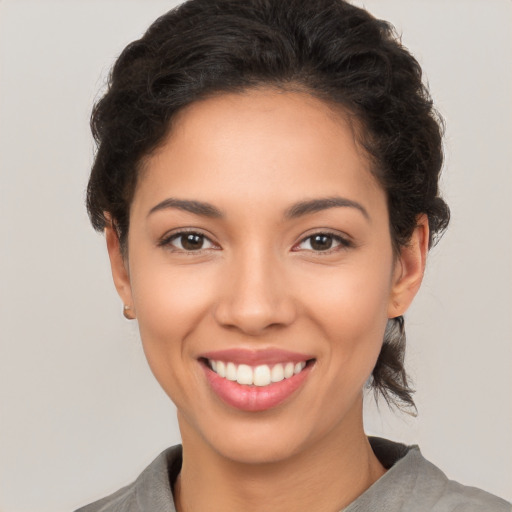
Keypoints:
pixel 253 450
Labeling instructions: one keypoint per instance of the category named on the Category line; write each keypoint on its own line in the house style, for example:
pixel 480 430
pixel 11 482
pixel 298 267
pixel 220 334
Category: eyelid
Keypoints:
pixel 167 238
pixel 345 241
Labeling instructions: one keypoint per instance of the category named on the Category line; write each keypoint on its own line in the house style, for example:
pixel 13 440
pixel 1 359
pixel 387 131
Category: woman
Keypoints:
pixel 267 180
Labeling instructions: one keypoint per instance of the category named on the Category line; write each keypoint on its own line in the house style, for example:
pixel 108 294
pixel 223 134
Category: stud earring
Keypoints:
pixel 127 314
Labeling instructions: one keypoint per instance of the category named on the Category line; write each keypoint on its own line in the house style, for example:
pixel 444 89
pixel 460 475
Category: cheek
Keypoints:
pixel 169 299
pixel 351 309
pixel 171 302
pixel 352 296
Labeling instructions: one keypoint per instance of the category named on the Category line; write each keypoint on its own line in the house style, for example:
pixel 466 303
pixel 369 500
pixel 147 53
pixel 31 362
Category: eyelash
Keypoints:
pixel 166 241
pixel 343 243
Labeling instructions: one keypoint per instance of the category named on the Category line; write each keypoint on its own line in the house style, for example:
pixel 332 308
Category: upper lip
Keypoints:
pixel 256 357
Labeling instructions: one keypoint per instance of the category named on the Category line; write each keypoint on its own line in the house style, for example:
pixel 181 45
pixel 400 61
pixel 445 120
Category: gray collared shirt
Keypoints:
pixel 411 484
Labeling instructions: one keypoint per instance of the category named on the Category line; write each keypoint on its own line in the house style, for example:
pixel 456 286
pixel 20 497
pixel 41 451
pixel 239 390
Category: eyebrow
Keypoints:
pixel 317 205
pixel 296 210
pixel 197 207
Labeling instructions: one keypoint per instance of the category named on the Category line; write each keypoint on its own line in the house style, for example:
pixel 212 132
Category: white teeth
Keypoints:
pixel 277 373
pixel 231 371
pixel 298 368
pixel 261 375
pixel 244 374
pixel 221 368
pixel 288 370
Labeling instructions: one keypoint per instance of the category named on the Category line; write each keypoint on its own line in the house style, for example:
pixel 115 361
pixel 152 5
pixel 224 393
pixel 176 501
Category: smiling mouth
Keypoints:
pixel 261 375
pixel 256 380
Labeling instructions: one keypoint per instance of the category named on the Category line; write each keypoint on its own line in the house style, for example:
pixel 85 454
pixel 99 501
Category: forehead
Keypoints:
pixel 258 145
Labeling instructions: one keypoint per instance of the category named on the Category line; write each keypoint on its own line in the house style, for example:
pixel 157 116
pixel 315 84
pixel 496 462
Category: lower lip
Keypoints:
pixel 255 398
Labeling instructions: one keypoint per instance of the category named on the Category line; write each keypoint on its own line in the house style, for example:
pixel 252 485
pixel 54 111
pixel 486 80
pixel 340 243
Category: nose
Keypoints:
pixel 255 295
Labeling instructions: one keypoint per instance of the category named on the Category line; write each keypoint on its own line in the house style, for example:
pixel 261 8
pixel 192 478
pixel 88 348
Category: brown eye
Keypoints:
pixel 323 242
pixel 188 242
pixel 192 241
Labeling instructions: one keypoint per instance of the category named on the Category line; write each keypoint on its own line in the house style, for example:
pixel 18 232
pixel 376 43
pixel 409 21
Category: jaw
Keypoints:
pixel 260 475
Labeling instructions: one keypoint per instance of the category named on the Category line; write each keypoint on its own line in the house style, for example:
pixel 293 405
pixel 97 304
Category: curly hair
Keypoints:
pixel 329 48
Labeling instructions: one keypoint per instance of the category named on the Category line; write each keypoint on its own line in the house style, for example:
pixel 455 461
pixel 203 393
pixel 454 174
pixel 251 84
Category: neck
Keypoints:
pixel 326 477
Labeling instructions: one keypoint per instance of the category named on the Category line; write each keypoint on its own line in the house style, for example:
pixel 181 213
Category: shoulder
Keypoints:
pixel 461 498
pixel 414 483
pixel 446 495
pixel 150 491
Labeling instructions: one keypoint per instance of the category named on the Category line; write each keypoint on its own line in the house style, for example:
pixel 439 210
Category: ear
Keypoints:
pixel 409 269
pixel 120 271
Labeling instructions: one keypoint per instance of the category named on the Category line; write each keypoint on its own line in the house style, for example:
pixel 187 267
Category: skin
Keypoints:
pixel 258 283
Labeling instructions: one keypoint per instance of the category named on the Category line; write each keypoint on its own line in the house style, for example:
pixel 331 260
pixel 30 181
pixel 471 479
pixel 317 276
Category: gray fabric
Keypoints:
pixel 151 492
pixel 412 484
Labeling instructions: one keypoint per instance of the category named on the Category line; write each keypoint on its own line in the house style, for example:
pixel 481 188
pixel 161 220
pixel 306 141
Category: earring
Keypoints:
pixel 126 313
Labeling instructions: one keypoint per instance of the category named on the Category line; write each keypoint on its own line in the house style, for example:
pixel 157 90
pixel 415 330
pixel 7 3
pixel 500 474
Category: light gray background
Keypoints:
pixel 80 414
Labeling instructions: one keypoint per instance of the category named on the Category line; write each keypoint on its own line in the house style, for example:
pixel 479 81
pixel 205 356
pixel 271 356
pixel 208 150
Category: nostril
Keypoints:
pixel 253 318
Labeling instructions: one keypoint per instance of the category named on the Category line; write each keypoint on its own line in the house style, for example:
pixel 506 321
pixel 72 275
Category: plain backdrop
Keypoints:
pixel 80 413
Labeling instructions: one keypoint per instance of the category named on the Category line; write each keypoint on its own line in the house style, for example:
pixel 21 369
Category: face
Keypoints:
pixel 261 271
